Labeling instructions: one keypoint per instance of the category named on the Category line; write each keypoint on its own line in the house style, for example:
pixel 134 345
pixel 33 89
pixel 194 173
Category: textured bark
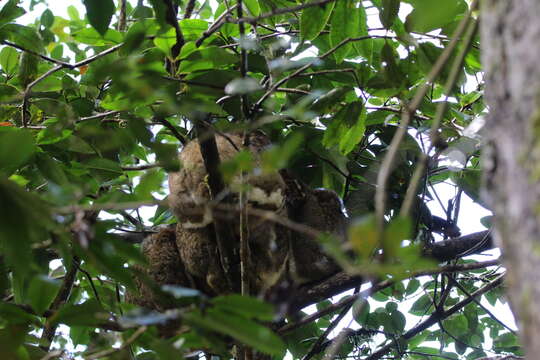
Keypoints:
pixel 511 49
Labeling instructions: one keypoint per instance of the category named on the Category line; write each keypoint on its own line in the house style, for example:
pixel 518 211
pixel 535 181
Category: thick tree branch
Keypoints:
pixel 452 249
pixel 342 282
pixel 224 241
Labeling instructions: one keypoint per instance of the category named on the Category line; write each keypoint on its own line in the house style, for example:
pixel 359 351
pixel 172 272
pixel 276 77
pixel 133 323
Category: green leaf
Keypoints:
pixel 457 325
pixel 160 10
pixel 299 340
pixel 412 286
pixel 8 93
pixel 99 13
pixel 73 13
pixel 28 220
pixel 330 100
pixel 47 18
pixel 361 310
pixel 104 165
pixel 245 306
pixel 41 292
pixel 391 70
pixel 241 161
pixel 399 229
pixel 10 11
pixel 88 313
pixel 421 306
pixel 354 135
pixel 277 157
pixel 314 19
pixel 389 12
pixel 9 60
pixel 91 37
pixel 24 36
pixel 27 69
pixel 347 128
pixel 487 221
pixel 398 321
pixel 430 15
pixel 208 58
pixel 150 182
pixel 80 334
pixel 469 181
pixel 16 148
pixel 52 135
pixel 345 23
pixel 166 41
pixel 51 169
pixel 244 330
pixel 363 236
pixel 253 7
pixel 192 29
pixel 14 314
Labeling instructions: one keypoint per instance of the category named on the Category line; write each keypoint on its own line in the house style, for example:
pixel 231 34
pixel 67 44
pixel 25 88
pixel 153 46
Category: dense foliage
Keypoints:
pixel 94 107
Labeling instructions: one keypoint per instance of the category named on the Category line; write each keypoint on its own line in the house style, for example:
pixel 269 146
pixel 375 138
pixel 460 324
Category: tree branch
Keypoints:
pixel 280 11
pixel 436 317
pixel 408 111
pixel 464 245
pixel 124 345
pixel 26 93
pixel 44 57
pixel 215 26
pixel 61 297
pixel 225 242
pixel 301 69
pixel 342 282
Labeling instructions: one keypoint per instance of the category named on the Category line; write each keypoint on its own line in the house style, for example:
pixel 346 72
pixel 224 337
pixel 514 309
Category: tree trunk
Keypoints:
pixel 511 57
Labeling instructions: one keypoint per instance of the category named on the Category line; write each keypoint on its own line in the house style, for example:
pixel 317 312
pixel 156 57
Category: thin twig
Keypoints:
pixel 335 307
pixel 216 26
pixel 44 57
pixel 122 16
pixel 26 93
pixel 53 355
pixel 262 37
pixel 181 138
pixel 140 167
pixel 303 68
pixel 384 284
pixel 437 316
pixel 98 116
pixel 316 347
pixel 397 111
pixel 126 344
pixel 242 200
pixel 419 171
pixel 70 209
pixel 280 11
pixel 460 287
pixel 408 110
